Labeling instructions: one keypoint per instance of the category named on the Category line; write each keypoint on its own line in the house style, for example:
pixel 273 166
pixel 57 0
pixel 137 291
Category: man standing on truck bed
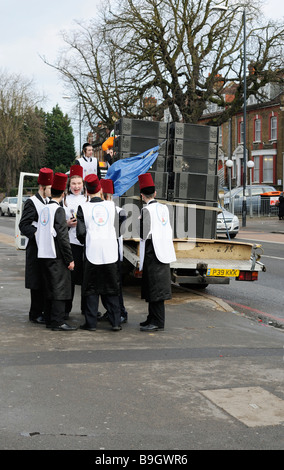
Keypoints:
pixel 89 163
pixel 156 254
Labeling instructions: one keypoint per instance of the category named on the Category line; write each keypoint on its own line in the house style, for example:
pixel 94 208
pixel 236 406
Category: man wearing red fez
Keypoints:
pixel 156 254
pixel 72 200
pixel 88 162
pixel 55 255
pixel 108 191
pixel 98 230
pixel 28 227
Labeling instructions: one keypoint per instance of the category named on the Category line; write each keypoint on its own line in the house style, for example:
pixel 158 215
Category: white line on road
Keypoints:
pixel 273 257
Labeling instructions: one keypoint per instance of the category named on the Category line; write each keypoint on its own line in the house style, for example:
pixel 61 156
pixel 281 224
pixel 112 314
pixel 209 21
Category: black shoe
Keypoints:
pixel 86 327
pixel 144 323
pixel 116 328
pixel 150 327
pixel 64 327
pixel 40 320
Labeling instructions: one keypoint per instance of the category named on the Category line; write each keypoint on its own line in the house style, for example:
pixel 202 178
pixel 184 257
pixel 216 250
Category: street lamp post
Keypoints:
pixel 250 166
pixel 229 165
pixel 244 206
pixel 80 121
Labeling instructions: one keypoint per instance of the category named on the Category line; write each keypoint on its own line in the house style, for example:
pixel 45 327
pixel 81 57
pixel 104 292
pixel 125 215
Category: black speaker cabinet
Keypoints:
pixel 193 148
pixel 195 186
pixel 193 221
pixel 135 145
pixel 197 132
pixel 139 127
pixel 185 164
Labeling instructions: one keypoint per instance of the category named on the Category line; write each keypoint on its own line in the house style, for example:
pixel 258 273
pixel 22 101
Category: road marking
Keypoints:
pixel 262 241
pixel 273 257
pixel 253 406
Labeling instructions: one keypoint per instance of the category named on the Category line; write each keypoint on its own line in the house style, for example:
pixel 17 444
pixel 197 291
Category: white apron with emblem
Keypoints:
pixel 90 166
pixel 161 232
pixel 71 211
pixel 101 242
pixel 45 233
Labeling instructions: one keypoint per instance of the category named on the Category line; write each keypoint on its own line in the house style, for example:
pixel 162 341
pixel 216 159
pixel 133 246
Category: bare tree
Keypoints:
pixel 17 102
pixel 190 51
pixel 184 52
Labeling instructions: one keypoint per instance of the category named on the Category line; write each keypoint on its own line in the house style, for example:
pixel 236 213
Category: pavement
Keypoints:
pixel 212 380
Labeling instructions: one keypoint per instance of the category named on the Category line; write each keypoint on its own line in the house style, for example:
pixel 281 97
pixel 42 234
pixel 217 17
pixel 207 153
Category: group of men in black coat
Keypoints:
pixel 49 259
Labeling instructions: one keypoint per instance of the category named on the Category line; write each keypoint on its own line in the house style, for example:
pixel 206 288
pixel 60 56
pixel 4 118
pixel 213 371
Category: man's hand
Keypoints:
pixel 71 266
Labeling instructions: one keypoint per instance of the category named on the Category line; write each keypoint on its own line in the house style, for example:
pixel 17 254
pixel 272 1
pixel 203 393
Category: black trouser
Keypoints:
pixel 37 304
pixel 156 315
pixel 69 303
pixel 111 303
pixel 55 312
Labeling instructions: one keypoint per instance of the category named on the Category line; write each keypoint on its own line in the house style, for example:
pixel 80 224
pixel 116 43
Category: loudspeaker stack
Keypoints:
pixel 186 170
pixel 194 180
pixel 135 136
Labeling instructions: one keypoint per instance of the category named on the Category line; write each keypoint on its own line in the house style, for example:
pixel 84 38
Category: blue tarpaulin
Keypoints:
pixel 124 173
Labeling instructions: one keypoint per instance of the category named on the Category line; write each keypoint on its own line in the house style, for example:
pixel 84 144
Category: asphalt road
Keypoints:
pixel 263 297
pixel 212 380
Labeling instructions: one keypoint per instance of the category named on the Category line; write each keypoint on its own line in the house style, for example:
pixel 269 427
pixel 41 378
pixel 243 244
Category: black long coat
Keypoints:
pixel 57 277
pixel 281 206
pixel 33 273
pixel 156 276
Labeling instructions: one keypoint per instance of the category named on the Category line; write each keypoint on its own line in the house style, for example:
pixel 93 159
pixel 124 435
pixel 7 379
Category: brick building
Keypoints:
pixel 264 138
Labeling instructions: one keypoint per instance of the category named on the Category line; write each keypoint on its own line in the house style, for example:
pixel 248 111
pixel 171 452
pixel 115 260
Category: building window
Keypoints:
pixel 256 172
pixel 241 132
pixel 273 128
pixel 257 130
pixel 267 169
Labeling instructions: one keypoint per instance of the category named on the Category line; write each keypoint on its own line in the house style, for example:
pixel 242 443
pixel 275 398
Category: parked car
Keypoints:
pixel 227 223
pixel 9 205
pixel 237 197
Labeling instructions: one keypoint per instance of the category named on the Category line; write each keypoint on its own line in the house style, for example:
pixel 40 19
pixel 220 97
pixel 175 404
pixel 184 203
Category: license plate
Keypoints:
pixel 222 272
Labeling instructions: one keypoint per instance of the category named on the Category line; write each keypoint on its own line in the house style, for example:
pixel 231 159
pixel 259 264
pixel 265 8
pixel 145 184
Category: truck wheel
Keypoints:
pixel 1 212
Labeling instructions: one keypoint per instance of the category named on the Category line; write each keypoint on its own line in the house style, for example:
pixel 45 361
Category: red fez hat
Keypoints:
pixel 146 181
pixel 93 184
pixel 76 170
pixel 107 186
pixel 59 181
pixel 45 177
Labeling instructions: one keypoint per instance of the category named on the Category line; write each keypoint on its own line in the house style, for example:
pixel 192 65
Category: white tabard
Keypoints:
pixel 161 232
pixel 90 166
pixel 72 203
pixel 45 231
pixel 101 241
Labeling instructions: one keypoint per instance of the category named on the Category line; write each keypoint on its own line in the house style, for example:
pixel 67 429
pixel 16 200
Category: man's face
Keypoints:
pixel 48 191
pixel 89 151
